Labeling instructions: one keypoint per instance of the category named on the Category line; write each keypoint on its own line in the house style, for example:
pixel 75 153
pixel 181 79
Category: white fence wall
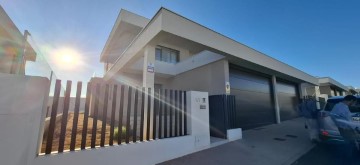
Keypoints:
pixel 23 104
pixel 22 101
pixel 146 153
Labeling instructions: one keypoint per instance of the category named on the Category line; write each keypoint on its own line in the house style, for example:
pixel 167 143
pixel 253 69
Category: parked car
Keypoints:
pixel 328 131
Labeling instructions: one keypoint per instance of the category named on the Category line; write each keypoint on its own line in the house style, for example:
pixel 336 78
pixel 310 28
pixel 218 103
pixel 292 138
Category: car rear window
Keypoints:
pixel 331 103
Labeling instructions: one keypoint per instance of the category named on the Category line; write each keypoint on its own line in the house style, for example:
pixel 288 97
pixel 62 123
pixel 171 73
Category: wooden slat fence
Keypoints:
pixel 113 114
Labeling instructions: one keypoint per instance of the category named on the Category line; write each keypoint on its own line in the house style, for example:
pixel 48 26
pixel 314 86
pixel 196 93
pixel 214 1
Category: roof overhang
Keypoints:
pixel 176 25
pixel 126 27
pixel 324 81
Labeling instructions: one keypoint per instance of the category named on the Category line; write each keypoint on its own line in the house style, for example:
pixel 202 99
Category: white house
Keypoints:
pixel 171 51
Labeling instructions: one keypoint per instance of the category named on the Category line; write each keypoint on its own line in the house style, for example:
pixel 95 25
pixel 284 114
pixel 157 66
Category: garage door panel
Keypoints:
pixel 248 76
pixel 288 100
pixel 247 85
pixel 253 108
pixel 252 99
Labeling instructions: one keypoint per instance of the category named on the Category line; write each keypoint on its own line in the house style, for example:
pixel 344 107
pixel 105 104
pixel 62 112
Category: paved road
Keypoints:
pixel 323 155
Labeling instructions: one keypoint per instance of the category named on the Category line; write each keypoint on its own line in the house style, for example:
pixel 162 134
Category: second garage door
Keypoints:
pixel 288 100
pixel 254 105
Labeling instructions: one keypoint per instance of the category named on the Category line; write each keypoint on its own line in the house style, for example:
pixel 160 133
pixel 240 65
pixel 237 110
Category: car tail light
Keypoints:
pixel 324 133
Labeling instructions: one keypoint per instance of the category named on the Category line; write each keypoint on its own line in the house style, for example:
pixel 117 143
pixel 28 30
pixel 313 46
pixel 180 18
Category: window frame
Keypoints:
pixel 169 58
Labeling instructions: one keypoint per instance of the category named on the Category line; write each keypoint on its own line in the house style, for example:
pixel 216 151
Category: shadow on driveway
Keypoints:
pixel 323 154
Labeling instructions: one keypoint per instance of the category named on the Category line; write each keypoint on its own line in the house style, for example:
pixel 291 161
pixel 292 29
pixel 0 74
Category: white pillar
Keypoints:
pixel 276 100
pixel 317 95
pixel 198 117
pixel 301 90
pixel 149 67
pixel 148 82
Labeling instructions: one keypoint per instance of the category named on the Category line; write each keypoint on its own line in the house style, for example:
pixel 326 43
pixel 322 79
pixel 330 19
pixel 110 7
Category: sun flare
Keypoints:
pixel 67 58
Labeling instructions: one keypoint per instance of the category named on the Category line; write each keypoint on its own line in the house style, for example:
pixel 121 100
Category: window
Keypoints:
pixel 166 55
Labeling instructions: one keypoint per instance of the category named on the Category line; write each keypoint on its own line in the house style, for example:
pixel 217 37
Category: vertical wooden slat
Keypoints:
pixel 86 116
pixel 104 116
pixel 171 113
pixel 148 115
pixel 181 113
pixel 95 117
pixel 142 114
pixel 176 113
pixel 160 132
pixel 226 113
pixel 64 117
pixel 121 112
pixel 233 105
pixel 76 116
pixel 155 109
pixel 50 135
pixel 135 115
pixel 127 136
pixel 165 104
pixel 112 118
pixel 185 114
pixel 47 111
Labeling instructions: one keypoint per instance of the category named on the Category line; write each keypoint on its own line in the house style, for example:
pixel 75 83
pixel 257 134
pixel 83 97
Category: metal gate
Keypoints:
pixel 222 115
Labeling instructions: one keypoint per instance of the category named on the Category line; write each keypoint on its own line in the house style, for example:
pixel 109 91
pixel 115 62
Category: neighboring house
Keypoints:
pixel 353 91
pixel 332 87
pixel 171 51
pixel 14 50
pixel 328 87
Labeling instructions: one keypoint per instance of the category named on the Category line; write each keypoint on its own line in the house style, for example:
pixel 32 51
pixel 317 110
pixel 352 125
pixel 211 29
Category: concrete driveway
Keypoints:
pixel 277 144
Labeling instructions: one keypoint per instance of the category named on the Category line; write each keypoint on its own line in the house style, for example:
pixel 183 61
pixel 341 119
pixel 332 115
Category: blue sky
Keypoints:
pixel 319 37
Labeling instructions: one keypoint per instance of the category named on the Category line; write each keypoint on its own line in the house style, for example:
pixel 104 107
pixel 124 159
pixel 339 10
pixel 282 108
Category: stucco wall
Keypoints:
pixel 23 100
pixel 211 78
pixel 325 90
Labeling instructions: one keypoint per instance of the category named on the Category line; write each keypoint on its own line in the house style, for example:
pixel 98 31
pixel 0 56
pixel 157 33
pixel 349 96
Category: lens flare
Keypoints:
pixel 67 58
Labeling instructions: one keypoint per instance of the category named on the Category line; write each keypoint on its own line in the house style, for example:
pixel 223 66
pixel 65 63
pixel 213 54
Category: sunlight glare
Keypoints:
pixel 67 58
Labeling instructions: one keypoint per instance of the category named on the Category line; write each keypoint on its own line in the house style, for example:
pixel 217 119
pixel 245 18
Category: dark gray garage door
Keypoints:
pixel 288 100
pixel 254 105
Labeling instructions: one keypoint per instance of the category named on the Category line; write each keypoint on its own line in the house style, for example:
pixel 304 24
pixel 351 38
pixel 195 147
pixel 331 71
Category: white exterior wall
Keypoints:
pixel 211 78
pixel 23 100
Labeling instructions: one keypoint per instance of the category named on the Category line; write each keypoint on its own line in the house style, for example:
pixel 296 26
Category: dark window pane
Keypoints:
pixel 158 54
pixel 165 55
pixel 173 58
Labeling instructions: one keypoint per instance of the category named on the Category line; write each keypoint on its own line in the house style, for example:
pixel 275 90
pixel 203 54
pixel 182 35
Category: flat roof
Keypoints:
pixel 331 81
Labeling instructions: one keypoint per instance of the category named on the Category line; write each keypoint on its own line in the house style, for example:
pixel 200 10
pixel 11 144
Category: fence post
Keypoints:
pixel 76 116
pixel 51 129
pixel 112 120
pixel 86 116
pixel 95 117
pixel 104 116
